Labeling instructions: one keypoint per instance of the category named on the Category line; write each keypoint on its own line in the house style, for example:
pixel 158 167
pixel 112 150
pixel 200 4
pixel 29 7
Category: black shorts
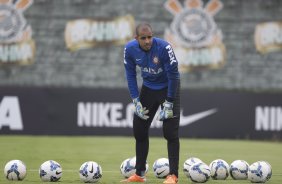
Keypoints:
pixel 152 99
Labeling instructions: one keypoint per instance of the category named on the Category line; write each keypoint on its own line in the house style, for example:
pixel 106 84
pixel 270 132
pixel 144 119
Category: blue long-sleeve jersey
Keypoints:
pixel 159 67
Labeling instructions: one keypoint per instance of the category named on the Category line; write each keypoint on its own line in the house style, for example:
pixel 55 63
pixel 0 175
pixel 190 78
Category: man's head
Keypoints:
pixel 144 36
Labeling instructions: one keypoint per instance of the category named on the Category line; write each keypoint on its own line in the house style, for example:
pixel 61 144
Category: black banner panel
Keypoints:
pixel 72 111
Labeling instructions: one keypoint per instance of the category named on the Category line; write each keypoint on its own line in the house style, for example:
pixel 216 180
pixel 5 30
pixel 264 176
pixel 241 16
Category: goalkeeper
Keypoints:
pixel 161 83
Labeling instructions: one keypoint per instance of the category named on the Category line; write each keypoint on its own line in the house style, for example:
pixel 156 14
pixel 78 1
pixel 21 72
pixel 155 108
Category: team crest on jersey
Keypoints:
pixel 156 60
pixel 193 33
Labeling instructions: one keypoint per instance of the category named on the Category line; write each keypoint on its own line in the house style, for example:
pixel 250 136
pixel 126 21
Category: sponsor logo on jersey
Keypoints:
pixel 171 54
pixel 152 70
pixel 194 35
pixel 16 44
pixel 124 52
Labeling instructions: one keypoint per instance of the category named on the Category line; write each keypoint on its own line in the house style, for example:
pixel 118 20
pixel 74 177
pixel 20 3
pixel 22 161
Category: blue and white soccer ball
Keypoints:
pixel 239 170
pixel 50 171
pixel 161 167
pixel 259 172
pixel 199 172
pixel 90 172
pixel 15 170
pixel 127 167
pixel 219 169
pixel 188 163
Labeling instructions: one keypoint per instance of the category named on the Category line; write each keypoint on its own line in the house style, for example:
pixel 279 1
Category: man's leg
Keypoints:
pixel 141 129
pixel 171 134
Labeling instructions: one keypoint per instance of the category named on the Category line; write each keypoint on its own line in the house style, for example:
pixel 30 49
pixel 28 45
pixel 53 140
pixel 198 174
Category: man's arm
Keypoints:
pixel 130 69
pixel 171 68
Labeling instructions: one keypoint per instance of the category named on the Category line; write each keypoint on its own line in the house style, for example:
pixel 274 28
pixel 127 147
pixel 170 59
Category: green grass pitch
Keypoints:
pixel 109 152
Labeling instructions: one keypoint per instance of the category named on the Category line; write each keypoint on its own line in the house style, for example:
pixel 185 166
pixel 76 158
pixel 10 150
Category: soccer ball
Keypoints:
pixel 127 167
pixel 188 163
pixel 15 170
pixel 199 172
pixel 50 171
pixel 239 170
pixel 161 167
pixel 219 169
pixel 90 172
pixel 259 172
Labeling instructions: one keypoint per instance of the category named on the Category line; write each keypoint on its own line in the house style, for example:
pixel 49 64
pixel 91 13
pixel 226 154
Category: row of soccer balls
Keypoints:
pixel 194 169
pixel 199 172
pixel 89 172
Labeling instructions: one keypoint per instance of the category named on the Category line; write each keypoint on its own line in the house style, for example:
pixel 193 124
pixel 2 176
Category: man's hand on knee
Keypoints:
pixel 167 111
pixel 140 111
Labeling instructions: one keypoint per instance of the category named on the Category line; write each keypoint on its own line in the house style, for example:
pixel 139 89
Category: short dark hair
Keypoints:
pixel 144 24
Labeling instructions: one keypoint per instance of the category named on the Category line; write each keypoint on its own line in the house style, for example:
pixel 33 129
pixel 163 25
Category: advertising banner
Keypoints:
pixel 194 34
pixel 73 111
pixel 16 43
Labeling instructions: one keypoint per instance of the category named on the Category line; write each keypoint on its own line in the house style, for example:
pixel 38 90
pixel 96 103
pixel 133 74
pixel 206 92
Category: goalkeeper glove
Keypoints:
pixel 140 111
pixel 167 111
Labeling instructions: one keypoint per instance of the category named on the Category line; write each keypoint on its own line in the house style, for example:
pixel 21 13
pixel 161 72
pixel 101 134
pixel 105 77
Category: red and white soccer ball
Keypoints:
pixel 90 172
pixel 188 163
pixel 161 167
pixel 259 172
pixel 239 170
pixel 199 172
pixel 50 171
pixel 219 169
pixel 15 170
pixel 127 167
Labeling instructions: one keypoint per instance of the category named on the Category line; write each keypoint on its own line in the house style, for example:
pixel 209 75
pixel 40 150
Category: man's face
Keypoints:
pixel 145 38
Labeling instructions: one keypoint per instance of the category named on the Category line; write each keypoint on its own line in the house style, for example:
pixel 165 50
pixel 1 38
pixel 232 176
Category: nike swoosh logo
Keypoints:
pixel 91 171
pixel 159 173
pixel 57 172
pixel 187 120
pixel 138 59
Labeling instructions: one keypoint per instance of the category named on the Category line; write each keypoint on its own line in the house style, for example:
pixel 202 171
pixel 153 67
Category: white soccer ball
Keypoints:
pixel 199 172
pixel 50 171
pixel 188 163
pixel 161 167
pixel 219 169
pixel 239 170
pixel 127 167
pixel 259 172
pixel 15 170
pixel 90 172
